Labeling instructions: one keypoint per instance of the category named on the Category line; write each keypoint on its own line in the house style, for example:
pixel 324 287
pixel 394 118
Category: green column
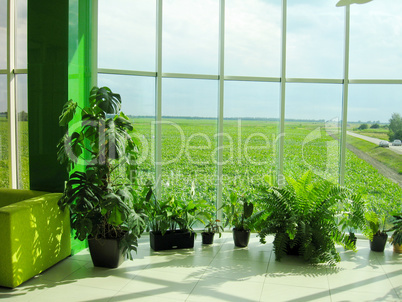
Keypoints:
pixel 80 66
pixel 80 51
pixel 47 90
pixel 59 69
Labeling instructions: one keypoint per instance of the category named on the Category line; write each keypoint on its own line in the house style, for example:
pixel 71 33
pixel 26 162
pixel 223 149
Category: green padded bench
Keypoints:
pixel 34 234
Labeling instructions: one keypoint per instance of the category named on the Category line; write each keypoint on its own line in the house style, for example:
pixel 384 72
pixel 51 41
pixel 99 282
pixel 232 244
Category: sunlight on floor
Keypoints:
pixel 219 272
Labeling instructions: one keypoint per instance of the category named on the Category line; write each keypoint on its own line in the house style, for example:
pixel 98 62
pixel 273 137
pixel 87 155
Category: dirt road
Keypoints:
pixel 383 169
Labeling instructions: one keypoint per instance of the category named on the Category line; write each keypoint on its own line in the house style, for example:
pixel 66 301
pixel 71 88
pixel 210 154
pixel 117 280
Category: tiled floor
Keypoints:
pixel 219 272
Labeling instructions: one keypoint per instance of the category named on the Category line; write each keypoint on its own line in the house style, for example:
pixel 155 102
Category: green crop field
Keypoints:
pixel 189 158
pixel 23 156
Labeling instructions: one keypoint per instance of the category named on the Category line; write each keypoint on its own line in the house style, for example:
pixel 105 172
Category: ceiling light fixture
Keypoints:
pixel 349 2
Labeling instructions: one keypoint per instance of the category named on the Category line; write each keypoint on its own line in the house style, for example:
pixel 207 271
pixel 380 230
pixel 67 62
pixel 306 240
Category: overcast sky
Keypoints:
pixel 315 49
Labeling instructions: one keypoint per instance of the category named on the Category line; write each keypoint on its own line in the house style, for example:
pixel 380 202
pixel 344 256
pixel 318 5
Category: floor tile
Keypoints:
pixel 233 269
pixel 160 285
pixel 219 272
pixel 275 292
pixel 306 276
pixel 76 293
pixel 352 296
pixel 359 281
pixel 215 289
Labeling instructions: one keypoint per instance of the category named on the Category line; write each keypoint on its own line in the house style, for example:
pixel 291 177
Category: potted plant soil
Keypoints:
pixel 237 211
pixel 100 154
pixel 376 231
pixel 396 237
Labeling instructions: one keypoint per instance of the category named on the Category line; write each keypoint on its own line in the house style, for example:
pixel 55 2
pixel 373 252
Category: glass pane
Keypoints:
pixel 372 170
pixel 138 102
pixel 189 109
pixel 3 34
pixel 21 34
pixel 313 113
pixel 4 135
pixel 190 36
pixel 315 39
pixel 22 131
pixel 253 38
pixel 375 40
pixel 251 116
pixel 126 34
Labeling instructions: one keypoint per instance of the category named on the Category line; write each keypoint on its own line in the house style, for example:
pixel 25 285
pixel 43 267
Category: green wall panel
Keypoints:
pixel 47 90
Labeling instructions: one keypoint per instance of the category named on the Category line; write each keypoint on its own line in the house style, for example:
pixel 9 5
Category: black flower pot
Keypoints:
pixel 105 252
pixel 292 249
pixel 241 237
pixel 378 242
pixel 352 239
pixel 171 240
pixel 207 238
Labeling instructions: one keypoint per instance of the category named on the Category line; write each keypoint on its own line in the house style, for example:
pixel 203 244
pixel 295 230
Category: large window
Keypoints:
pixel 4 135
pixel 313 114
pixel 189 119
pixel 127 32
pixel 315 35
pixel 252 38
pixel 370 169
pixel 14 157
pixel 250 130
pixel 3 34
pixel 240 93
pixel 190 36
pixel 138 102
pixel 375 40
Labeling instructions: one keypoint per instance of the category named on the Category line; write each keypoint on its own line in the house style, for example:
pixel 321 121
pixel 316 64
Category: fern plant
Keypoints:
pixel 303 216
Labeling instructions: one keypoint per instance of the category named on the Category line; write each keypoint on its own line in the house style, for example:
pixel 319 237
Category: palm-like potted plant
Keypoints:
pixel 303 217
pixel 237 211
pixel 352 218
pixel 396 237
pixel 101 196
pixel 375 230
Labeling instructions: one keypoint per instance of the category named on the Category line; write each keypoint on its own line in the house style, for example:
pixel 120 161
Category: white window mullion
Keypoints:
pixel 221 89
pixel 158 101
pixel 342 159
pixel 11 92
pixel 281 139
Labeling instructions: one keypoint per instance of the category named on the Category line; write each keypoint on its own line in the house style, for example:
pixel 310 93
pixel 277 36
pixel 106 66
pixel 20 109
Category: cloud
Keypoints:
pixel 375 40
pixel 315 48
pixel 253 38
pixel 190 36
pixel 315 40
pixel 127 34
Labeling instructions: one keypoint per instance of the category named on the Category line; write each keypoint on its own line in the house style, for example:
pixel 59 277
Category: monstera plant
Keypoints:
pixel 100 154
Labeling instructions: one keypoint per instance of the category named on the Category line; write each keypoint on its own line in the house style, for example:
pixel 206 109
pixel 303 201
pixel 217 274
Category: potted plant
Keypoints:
pixel 303 217
pixel 351 214
pixel 237 211
pixel 211 228
pixel 375 230
pixel 396 237
pixel 171 221
pixel 100 195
